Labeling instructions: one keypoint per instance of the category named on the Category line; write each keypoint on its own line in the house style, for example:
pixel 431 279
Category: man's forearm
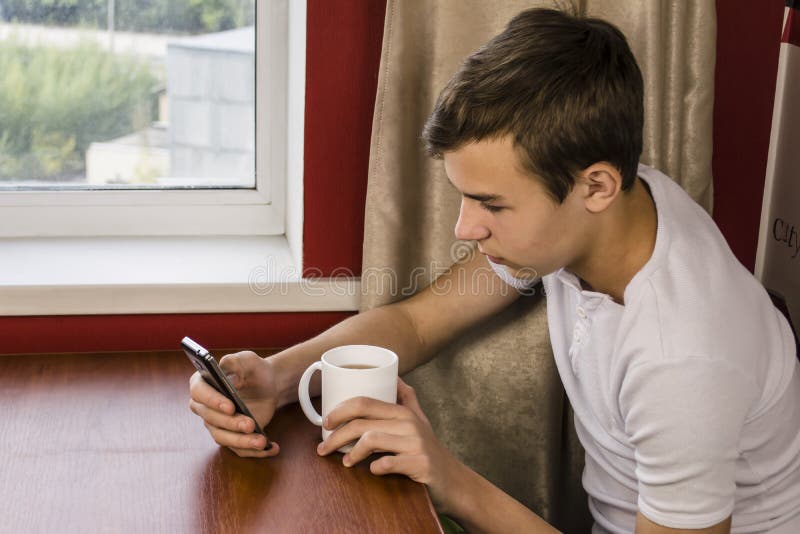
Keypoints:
pixel 480 506
pixel 386 326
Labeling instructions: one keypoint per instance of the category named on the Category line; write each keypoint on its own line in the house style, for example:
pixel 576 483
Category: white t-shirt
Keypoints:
pixel 687 398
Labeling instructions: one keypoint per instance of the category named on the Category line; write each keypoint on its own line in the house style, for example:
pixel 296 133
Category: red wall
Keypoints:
pixel 748 41
pixel 343 55
pixel 101 333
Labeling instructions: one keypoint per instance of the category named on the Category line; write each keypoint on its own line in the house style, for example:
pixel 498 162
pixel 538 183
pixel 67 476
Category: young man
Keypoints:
pixel 682 374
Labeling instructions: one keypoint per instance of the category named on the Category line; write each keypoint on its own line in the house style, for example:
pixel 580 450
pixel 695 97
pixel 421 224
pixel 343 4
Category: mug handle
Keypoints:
pixel 304 397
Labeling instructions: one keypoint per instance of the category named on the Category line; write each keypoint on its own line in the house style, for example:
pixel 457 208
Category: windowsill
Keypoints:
pixel 132 275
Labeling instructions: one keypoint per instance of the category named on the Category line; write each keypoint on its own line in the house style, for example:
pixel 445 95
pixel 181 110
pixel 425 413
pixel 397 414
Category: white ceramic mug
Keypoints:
pixel 340 383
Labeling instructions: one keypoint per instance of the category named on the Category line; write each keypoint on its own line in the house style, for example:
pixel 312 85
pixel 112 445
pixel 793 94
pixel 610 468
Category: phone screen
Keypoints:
pixel 211 372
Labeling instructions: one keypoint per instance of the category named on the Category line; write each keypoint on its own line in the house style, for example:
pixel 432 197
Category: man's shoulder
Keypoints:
pixel 690 308
pixel 693 292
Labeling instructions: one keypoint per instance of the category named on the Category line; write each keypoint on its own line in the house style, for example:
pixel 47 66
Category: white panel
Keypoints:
pixel 190 122
pixel 778 255
pixel 296 111
pixel 161 275
pixel 236 127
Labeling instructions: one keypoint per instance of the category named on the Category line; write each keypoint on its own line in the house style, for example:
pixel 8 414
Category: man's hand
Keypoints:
pixel 254 379
pixel 401 429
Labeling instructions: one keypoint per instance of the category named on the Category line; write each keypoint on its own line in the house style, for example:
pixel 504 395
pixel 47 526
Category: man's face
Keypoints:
pixel 510 213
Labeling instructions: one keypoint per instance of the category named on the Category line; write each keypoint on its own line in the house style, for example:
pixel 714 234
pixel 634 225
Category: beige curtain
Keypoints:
pixel 494 396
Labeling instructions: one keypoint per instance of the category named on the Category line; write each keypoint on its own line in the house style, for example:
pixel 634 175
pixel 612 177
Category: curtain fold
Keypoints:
pixel 494 396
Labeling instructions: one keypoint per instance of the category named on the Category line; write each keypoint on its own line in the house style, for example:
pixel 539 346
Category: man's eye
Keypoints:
pixel 493 209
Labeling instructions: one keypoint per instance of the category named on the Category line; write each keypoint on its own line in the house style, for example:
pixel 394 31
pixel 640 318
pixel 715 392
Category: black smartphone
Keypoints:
pixel 211 372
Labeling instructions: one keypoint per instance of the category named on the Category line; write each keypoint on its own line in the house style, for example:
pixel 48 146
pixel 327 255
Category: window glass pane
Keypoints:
pixel 114 94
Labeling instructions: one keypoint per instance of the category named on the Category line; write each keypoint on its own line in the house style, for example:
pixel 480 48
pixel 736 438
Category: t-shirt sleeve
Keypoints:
pixel 520 284
pixel 684 418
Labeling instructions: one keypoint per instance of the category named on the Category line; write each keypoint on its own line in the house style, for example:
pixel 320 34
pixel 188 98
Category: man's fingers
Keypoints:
pixel 362 408
pixel 355 429
pixel 237 423
pixel 251 453
pixel 226 431
pixel 239 441
pixel 403 464
pixel 373 441
pixel 202 392
pixel 406 396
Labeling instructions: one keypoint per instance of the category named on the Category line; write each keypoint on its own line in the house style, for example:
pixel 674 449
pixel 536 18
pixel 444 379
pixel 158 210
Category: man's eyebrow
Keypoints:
pixel 483 197
pixel 480 197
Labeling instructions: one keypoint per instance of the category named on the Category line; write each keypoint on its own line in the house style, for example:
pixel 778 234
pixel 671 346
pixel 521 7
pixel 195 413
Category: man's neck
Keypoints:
pixel 625 244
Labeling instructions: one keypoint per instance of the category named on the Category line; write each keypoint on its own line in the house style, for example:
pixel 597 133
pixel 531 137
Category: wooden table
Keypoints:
pixel 106 443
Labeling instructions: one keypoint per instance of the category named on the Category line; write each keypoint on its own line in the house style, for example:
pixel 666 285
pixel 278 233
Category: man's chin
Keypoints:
pixel 524 273
pixel 516 270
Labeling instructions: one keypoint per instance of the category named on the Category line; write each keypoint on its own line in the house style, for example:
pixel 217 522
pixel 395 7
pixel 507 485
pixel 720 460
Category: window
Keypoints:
pixel 170 242
pixel 135 118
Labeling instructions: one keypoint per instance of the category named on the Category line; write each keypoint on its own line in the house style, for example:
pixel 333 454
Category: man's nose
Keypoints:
pixel 469 226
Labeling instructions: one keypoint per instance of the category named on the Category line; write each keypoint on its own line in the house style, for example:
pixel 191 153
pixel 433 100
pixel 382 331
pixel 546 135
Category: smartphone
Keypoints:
pixel 211 372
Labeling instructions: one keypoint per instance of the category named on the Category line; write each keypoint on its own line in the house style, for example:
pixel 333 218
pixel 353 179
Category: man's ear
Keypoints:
pixel 601 183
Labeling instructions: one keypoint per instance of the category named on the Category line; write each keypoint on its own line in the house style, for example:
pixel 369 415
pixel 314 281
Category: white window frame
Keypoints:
pixel 259 211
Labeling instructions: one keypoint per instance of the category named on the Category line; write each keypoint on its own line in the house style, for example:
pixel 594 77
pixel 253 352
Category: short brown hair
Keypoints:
pixel 567 89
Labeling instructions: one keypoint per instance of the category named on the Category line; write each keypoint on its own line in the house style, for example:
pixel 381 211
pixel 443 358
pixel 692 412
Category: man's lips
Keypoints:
pixel 493 258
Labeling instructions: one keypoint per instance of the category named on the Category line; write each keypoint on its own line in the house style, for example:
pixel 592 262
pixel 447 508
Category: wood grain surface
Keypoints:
pixel 106 443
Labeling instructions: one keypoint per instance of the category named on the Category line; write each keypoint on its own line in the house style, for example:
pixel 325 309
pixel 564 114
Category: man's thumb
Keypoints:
pixel 231 365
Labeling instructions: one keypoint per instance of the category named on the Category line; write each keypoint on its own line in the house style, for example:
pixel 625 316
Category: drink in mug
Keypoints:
pixel 350 371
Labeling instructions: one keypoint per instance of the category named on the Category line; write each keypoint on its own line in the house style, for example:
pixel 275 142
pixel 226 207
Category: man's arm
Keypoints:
pixel 480 506
pixel 415 328
pixel 645 526
pixel 685 416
